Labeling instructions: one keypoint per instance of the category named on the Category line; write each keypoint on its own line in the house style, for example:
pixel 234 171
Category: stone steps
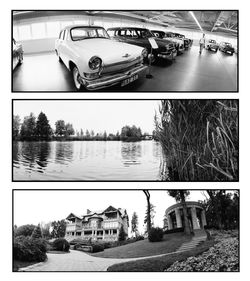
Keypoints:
pixel 195 241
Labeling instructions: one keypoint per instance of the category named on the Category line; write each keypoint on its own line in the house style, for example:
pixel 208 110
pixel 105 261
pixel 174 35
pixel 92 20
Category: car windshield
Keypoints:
pixel 179 35
pixel 158 34
pixel 81 33
pixel 144 33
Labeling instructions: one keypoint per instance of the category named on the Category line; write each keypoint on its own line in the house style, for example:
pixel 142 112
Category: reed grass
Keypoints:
pixel 199 139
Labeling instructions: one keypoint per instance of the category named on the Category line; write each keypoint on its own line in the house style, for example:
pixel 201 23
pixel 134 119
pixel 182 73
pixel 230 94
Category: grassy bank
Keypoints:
pixel 145 248
pixel 161 263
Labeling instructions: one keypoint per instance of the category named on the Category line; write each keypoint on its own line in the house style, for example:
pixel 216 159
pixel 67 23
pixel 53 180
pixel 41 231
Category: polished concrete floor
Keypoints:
pixel 189 72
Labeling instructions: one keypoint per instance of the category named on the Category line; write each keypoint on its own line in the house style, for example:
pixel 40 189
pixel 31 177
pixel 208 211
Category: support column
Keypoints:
pixel 203 218
pixel 178 217
pixel 170 223
pixel 194 218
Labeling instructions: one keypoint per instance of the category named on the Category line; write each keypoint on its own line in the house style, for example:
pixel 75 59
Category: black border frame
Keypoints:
pixel 101 90
pixel 107 100
pixel 137 272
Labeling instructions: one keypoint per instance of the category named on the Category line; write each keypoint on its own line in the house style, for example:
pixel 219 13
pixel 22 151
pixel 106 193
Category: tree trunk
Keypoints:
pixel 146 192
pixel 187 229
pixel 216 208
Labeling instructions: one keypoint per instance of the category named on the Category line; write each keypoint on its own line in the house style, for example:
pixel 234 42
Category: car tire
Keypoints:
pixel 77 83
pixel 59 58
pixel 20 59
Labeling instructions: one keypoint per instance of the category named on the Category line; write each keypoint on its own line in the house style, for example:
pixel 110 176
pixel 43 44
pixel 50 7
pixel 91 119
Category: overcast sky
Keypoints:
pixel 97 115
pixel 33 207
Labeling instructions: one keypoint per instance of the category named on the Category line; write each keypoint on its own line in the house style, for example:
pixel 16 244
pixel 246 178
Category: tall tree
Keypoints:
pixel 16 126
pixel 180 196
pixel 43 129
pixel 146 192
pixel 60 128
pixel 81 133
pixel 58 229
pixel 152 215
pixel 134 224
pixel 28 128
pixel 122 235
pixel 37 232
pixel 105 135
pixel 69 130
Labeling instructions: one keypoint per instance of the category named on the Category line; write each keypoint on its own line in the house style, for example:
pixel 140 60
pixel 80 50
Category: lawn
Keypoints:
pixel 144 248
pixel 161 263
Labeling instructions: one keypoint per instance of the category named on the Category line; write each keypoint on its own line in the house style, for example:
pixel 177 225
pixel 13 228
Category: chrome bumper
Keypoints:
pixel 168 55
pixel 111 80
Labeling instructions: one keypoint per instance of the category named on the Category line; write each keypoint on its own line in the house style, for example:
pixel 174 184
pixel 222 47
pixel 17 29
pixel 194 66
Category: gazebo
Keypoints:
pixel 196 215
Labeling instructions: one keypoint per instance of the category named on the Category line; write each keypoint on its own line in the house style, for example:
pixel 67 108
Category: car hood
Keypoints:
pixel 162 42
pixel 108 50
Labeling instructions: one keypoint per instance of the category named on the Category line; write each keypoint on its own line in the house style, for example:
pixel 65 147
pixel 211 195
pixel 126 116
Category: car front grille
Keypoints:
pixel 122 66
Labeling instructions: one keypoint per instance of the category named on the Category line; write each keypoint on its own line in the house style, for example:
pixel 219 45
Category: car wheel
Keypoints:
pixel 59 58
pixel 20 59
pixel 76 76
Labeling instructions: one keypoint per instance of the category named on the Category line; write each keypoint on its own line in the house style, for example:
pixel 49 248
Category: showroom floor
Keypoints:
pixel 189 72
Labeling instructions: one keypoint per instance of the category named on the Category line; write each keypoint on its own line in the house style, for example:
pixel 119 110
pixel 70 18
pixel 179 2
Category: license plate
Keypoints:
pixel 129 80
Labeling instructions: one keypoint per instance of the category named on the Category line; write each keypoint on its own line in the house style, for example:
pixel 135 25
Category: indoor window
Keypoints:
pixel 24 32
pixel 38 30
pixel 53 29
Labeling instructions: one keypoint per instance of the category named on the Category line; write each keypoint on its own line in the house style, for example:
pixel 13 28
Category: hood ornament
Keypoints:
pixel 126 55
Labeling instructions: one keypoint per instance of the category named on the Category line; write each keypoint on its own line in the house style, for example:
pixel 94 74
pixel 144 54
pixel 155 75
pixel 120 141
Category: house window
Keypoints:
pixel 114 231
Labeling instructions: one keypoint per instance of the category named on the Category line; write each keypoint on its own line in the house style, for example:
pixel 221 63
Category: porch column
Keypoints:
pixel 170 224
pixel 203 218
pixel 194 218
pixel 178 217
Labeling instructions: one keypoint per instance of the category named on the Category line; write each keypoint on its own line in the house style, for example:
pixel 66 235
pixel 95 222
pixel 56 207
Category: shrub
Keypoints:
pixel 155 234
pixel 174 230
pixel 122 235
pixel 61 244
pixel 24 230
pixel 139 237
pixel 97 247
pixel 28 249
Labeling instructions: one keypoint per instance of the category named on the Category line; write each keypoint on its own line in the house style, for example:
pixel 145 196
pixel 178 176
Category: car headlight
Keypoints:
pixel 95 63
pixel 144 53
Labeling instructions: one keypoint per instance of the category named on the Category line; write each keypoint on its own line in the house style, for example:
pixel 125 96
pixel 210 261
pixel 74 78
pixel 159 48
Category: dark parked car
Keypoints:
pixel 179 43
pixel 140 37
pixel 187 42
pixel 226 48
pixel 17 54
pixel 212 45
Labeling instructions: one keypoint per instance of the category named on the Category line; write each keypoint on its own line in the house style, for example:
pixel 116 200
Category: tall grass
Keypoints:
pixel 199 139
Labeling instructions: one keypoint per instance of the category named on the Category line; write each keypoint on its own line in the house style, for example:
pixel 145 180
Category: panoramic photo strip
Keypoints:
pixel 126 230
pixel 125 140
pixel 125 50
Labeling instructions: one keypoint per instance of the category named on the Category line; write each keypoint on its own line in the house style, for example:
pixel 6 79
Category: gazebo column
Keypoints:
pixel 170 223
pixel 203 218
pixel 178 218
pixel 194 218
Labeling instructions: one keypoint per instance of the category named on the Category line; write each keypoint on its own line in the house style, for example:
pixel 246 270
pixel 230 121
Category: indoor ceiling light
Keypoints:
pixel 194 17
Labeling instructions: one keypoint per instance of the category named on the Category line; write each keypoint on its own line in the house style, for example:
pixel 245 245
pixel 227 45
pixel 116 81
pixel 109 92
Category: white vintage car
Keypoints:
pixel 95 60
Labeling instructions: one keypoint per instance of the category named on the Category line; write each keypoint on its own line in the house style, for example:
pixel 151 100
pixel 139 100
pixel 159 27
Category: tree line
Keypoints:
pixel 37 129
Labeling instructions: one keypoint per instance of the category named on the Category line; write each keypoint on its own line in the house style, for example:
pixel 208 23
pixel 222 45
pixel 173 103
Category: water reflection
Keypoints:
pixel 131 153
pixel 86 160
pixel 64 152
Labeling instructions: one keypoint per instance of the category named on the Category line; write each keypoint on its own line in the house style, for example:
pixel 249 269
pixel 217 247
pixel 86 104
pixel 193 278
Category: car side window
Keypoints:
pixel 60 35
pixel 63 38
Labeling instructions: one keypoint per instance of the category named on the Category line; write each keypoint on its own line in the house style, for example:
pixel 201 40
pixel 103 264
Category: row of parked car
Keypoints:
pixel 225 47
pixel 100 58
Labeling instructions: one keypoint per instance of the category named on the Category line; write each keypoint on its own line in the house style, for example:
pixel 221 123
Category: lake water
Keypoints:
pixel 86 160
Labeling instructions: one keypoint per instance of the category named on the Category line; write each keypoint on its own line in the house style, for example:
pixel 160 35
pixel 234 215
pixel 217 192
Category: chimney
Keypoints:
pixel 88 211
